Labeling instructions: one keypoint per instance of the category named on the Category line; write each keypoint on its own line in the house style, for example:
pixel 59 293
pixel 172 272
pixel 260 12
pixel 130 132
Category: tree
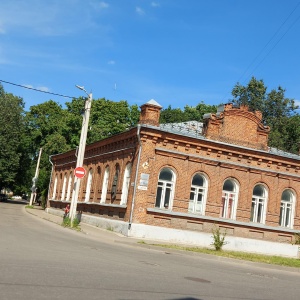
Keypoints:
pixel 107 118
pixel 190 113
pixel 197 113
pixel 47 126
pixel 11 131
pixel 275 107
pixel 172 115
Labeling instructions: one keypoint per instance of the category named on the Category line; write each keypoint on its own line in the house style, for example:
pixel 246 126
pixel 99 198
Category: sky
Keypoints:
pixel 177 52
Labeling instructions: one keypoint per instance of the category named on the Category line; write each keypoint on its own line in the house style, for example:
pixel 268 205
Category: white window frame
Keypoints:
pixel 63 191
pixel 69 187
pixel 195 192
pixel 126 182
pixel 286 206
pixel 105 185
pixel 54 188
pixel 260 204
pixel 229 200
pixel 89 183
pixel 165 185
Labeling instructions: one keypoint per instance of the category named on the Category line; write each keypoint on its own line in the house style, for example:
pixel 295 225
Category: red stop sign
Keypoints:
pixel 79 172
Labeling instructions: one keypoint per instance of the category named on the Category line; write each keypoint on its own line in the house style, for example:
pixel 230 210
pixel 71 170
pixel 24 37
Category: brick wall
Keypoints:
pixel 227 151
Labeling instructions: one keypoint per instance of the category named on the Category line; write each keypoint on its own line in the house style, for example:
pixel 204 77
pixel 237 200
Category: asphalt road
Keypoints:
pixel 42 260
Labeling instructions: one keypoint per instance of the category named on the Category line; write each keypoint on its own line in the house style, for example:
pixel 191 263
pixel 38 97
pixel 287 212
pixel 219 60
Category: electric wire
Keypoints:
pixel 276 43
pixel 37 90
pixel 273 36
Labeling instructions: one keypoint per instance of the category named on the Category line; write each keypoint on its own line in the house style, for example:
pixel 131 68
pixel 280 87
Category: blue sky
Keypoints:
pixel 178 52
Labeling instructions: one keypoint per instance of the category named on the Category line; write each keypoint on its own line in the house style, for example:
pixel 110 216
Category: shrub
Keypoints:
pixel 68 223
pixel 218 239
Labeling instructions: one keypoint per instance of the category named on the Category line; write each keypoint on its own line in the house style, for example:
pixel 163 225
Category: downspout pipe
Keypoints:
pixel 136 175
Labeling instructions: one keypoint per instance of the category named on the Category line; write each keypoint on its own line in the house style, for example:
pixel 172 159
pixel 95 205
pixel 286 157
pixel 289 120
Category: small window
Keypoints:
pixel 287 209
pixel 126 182
pixel 115 182
pixel 63 191
pixel 69 187
pixel 258 207
pixel 105 185
pixel 198 194
pixel 89 186
pixel 229 199
pixel 54 188
pixel 165 189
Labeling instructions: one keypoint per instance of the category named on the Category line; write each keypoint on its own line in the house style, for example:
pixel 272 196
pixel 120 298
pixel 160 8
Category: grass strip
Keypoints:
pixel 268 259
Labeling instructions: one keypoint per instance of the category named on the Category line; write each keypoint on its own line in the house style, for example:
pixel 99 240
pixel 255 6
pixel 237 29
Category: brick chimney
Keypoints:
pixel 237 125
pixel 150 113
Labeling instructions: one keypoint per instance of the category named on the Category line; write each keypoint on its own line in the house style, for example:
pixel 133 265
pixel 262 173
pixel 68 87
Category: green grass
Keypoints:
pixel 67 223
pixel 29 206
pixel 274 260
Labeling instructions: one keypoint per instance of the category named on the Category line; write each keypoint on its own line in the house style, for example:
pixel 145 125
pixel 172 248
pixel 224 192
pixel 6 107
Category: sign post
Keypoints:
pixel 80 155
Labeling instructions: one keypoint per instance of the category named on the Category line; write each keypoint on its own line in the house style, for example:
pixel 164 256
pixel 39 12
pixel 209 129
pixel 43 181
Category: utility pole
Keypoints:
pixel 81 151
pixel 35 178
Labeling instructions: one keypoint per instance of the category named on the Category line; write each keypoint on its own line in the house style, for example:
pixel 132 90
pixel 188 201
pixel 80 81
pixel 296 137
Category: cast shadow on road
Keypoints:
pixel 19 202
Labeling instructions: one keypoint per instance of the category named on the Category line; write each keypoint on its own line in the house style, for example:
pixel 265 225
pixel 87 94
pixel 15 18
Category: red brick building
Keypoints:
pixel 176 182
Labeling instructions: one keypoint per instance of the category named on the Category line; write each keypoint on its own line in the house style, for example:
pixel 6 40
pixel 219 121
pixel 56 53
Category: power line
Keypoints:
pixel 270 42
pixel 37 90
pixel 276 43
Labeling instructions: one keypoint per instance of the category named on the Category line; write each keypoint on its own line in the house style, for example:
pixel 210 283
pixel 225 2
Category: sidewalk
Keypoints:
pixel 86 229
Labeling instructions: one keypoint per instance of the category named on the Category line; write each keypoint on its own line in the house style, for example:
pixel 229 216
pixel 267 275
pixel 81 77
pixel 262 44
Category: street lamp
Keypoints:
pixel 81 150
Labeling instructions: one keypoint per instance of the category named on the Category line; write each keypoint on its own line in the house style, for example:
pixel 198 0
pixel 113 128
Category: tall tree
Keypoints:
pixel 107 118
pixel 252 95
pixel 11 130
pixel 47 126
pixel 190 113
pixel 275 107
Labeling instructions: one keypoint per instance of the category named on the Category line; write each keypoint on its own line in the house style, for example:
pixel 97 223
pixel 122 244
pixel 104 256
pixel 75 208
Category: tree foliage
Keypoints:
pixel 11 133
pixel 277 111
pixel 190 113
pixel 56 129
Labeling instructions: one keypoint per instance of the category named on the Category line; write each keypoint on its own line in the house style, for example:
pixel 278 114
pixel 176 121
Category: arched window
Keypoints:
pixel 115 182
pixel 105 185
pixel 126 182
pixel 54 188
pixel 69 187
pixel 88 186
pixel 287 209
pixel 63 191
pixel 259 201
pixel 165 189
pixel 198 194
pixel 229 199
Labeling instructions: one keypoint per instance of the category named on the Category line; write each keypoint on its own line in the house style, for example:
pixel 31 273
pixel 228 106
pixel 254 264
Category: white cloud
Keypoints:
pixel 155 4
pixel 49 18
pixel 28 86
pixel 139 11
pixel 99 5
pixel 41 88
pixel 103 5
pixel 111 62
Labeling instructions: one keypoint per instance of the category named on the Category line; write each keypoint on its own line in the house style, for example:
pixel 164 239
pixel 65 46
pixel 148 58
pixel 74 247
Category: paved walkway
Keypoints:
pixel 91 231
